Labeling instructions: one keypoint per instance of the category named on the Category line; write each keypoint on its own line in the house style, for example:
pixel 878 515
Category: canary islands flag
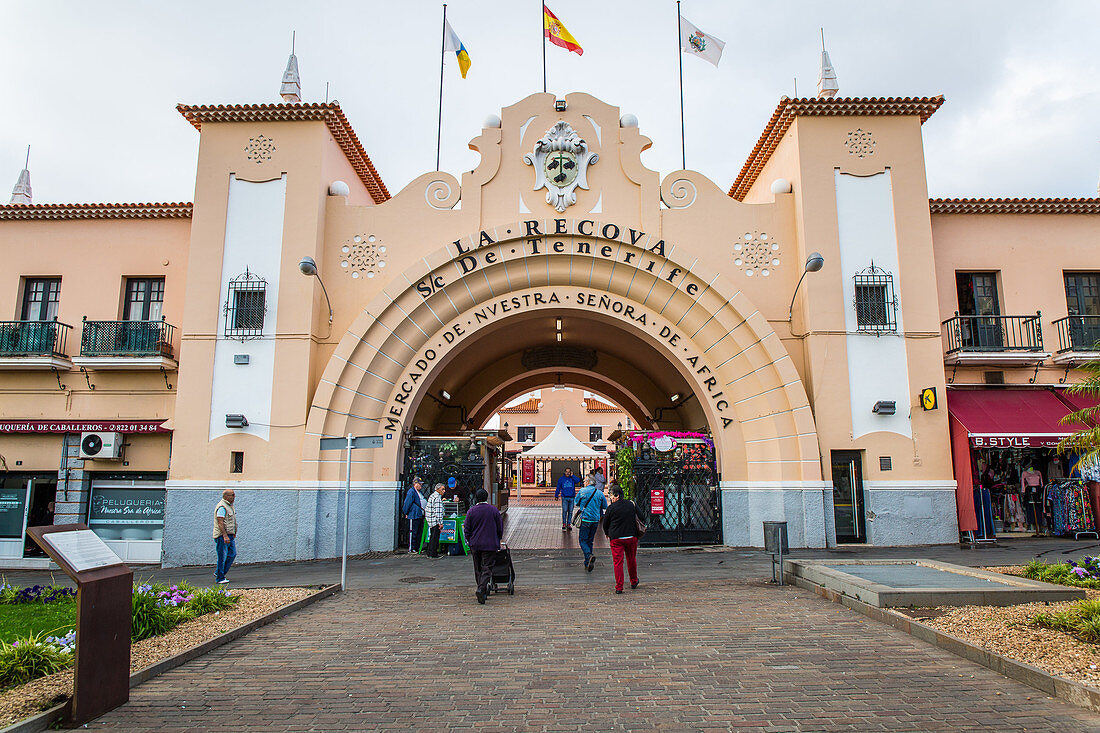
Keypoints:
pixel 553 29
pixel 453 43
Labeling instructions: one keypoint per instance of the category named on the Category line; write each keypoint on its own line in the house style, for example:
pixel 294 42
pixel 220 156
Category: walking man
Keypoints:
pixel 413 510
pixel 434 513
pixel 484 528
pixel 567 491
pixel 592 503
pixel 225 535
pixel 622 533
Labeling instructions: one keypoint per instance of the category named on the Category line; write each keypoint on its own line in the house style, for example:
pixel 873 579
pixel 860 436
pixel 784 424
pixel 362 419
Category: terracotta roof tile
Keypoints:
pixel 96 211
pixel 1014 206
pixel 788 109
pixel 593 405
pixel 530 406
pixel 329 113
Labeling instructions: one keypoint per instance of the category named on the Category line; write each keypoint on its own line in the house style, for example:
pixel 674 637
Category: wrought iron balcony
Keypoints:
pixel 126 338
pixel 1078 333
pixel 993 334
pixel 33 338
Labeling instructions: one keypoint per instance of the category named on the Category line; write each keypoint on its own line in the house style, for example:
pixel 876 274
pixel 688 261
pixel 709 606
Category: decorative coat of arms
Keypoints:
pixel 561 161
pixel 698 41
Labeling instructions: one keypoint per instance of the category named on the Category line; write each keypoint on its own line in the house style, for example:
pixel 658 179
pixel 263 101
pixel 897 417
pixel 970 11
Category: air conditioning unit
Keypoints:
pixel 101 445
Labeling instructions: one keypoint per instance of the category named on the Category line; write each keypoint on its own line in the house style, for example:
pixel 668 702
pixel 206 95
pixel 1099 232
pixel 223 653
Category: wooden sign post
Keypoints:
pixel 104 604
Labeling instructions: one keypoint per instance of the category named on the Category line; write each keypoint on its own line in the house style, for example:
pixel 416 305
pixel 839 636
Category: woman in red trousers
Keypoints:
pixel 622 532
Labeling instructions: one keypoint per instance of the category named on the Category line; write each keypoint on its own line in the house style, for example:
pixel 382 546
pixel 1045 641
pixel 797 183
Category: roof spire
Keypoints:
pixel 826 79
pixel 21 194
pixel 291 88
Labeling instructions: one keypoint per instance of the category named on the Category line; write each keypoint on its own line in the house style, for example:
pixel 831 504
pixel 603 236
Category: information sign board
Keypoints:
pixel 13 506
pixel 528 470
pixel 82 549
pixel 656 501
pixel 449 533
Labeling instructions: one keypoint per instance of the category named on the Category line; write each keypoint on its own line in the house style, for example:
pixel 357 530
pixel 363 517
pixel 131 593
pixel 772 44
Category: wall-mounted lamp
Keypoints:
pixel 558 324
pixel 885 407
pixel 620 426
pixel 559 105
pixel 309 269
pixel 559 335
pixel 445 393
pixel 558 384
pixel 676 397
pixel 813 263
pixel 236 421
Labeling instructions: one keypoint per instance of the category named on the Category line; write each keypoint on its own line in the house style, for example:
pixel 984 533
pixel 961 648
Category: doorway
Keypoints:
pixel 26 500
pixel 848 500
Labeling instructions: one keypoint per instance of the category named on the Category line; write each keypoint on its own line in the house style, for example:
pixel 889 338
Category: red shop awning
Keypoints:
pixel 1010 418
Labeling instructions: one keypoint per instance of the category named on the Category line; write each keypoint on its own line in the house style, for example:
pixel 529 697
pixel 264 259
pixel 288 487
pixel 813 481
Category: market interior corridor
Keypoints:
pixel 536 525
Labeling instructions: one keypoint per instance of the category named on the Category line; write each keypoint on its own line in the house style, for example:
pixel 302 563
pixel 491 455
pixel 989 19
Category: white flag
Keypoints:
pixel 693 41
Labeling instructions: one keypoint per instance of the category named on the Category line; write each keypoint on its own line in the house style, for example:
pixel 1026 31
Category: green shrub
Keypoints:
pixel 209 600
pixel 1082 620
pixel 26 659
pixel 150 617
pixel 1082 575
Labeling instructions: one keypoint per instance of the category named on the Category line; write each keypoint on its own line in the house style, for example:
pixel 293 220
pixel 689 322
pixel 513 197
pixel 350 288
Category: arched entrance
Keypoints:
pixel 477 321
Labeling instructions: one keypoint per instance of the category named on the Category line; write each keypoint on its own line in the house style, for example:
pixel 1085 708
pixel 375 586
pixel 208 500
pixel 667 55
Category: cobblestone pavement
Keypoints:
pixel 688 656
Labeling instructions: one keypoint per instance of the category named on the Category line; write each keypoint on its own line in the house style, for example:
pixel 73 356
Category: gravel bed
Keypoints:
pixel 1006 630
pixel 44 692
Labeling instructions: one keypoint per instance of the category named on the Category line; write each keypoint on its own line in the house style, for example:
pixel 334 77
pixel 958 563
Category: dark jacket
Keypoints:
pixel 484 527
pixel 618 520
pixel 411 507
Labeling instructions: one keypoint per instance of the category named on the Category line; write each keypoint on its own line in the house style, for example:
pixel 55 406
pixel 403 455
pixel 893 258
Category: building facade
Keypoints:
pixel 189 335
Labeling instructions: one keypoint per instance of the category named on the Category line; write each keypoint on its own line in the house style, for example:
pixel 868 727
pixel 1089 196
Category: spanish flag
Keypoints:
pixel 553 29
pixel 454 44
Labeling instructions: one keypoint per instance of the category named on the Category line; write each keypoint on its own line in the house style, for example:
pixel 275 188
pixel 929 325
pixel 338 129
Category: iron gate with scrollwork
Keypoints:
pixel 434 461
pixel 691 509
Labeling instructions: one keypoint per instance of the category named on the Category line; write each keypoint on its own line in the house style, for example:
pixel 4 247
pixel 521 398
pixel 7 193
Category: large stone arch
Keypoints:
pixel 709 330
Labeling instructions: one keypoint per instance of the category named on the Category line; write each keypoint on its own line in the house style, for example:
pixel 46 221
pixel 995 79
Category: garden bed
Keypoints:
pixel 44 692
pixel 1011 631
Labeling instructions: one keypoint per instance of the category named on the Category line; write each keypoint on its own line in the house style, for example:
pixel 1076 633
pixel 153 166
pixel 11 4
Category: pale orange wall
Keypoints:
pixel 1030 254
pixel 570 404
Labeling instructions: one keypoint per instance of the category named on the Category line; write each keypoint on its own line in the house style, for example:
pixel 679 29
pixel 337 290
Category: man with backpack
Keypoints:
pixel 591 504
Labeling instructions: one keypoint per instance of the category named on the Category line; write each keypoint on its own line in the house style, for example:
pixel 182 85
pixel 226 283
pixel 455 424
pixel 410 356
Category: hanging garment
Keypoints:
pixel 1014 511
pixel 983 504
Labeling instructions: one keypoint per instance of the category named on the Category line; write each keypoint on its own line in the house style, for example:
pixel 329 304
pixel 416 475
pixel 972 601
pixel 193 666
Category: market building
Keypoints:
pixel 158 353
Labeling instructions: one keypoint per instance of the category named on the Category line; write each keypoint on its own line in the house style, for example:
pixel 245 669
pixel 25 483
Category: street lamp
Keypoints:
pixel 813 263
pixel 309 269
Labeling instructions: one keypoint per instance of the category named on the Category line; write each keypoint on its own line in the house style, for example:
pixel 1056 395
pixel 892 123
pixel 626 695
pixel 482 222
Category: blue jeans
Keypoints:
pixel 567 509
pixel 586 537
pixel 227 553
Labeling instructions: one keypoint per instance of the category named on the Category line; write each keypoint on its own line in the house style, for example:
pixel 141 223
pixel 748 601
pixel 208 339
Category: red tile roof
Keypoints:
pixel 593 405
pixel 329 113
pixel 96 211
pixel 530 406
pixel 788 109
pixel 1014 206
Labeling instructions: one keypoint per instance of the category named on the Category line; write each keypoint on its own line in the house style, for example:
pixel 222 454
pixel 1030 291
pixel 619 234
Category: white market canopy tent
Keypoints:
pixel 561 443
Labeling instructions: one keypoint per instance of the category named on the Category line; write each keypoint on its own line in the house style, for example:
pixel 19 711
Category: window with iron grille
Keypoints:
pixel 526 434
pixel 595 432
pixel 876 304
pixel 245 306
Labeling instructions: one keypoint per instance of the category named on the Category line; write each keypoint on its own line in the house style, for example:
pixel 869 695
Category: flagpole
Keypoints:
pixel 680 56
pixel 542 35
pixel 442 53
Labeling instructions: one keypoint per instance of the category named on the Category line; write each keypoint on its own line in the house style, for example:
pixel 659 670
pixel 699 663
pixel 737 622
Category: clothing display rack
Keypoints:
pixel 1066 502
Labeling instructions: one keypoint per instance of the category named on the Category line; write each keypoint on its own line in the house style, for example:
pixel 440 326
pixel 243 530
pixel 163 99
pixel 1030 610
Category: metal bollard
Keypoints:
pixel 775 543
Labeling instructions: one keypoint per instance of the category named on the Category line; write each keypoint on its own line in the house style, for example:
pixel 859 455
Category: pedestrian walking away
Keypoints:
pixel 567 491
pixel 620 524
pixel 225 535
pixel 434 515
pixel 591 504
pixel 413 510
pixel 484 527
pixel 599 478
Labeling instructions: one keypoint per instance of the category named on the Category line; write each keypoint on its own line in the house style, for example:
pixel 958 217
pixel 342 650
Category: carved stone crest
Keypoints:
pixel 561 161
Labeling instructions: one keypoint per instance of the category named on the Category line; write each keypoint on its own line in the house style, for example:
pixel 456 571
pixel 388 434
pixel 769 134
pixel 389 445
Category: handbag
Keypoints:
pixel 638 523
pixel 578 511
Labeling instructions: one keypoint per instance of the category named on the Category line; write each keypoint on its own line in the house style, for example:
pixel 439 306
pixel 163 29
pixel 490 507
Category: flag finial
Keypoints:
pixel 291 88
pixel 827 85
pixel 21 194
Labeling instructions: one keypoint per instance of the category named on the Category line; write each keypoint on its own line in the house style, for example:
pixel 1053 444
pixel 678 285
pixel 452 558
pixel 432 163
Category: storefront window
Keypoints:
pixel 13 506
pixel 126 513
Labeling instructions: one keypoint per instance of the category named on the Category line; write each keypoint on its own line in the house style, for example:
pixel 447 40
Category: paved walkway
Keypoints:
pixel 686 656
pixel 538 527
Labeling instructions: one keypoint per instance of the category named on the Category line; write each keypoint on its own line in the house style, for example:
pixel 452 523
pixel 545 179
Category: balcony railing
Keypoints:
pixel 33 338
pixel 126 338
pixel 1078 333
pixel 993 333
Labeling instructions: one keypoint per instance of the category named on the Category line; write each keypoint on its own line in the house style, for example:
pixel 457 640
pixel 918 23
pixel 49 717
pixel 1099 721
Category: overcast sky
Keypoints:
pixel 92 86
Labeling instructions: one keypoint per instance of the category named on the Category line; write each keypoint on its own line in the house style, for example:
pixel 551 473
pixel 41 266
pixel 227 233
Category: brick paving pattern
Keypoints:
pixel 532 527
pixel 690 656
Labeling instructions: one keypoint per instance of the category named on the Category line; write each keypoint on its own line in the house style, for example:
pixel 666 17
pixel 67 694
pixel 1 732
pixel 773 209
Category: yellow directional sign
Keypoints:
pixel 928 398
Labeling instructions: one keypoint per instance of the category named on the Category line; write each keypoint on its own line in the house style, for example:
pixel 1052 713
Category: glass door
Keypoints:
pixel 848 508
pixel 977 292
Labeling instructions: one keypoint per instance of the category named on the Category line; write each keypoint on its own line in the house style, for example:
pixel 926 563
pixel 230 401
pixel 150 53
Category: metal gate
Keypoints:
pixel 434 460
pixel 691 513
